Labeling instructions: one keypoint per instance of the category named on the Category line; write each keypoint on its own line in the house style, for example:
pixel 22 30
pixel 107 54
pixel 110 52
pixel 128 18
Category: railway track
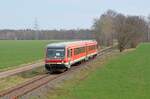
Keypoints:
pixel 38 81
pixel 21 69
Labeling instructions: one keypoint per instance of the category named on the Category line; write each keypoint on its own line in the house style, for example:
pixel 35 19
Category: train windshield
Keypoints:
pixel 55 52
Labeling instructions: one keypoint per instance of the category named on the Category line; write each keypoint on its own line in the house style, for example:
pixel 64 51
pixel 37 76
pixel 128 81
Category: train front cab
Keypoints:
pixel 55 59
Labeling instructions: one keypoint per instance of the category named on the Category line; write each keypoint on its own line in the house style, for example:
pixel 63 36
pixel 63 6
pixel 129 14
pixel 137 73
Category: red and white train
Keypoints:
pixel 63 55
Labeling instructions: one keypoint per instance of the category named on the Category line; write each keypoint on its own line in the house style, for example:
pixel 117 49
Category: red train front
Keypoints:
pixel 60 56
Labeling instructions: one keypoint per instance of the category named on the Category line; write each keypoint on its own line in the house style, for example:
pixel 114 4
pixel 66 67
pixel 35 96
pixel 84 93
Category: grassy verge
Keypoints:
pixel 11 81
pixel 123 77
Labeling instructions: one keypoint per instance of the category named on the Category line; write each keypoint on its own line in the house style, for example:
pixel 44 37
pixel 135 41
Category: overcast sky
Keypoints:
pixel 63 14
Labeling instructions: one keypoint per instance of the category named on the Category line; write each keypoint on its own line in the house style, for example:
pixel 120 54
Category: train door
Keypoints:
pixel 69 57
pixel 86 48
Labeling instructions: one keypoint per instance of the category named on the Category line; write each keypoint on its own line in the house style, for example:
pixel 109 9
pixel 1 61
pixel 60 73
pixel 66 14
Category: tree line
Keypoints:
pixel 46 34
pixel 128 31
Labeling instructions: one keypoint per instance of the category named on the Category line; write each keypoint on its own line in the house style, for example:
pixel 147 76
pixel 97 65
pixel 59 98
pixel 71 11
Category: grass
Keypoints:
pixel 125 76
pixel 14 53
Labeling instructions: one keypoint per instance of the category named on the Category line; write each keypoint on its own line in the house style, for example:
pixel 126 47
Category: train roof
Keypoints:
pixel 71 43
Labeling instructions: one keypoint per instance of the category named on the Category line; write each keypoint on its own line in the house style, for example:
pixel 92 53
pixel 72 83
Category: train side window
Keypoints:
pixel 93 47
pixel 79 50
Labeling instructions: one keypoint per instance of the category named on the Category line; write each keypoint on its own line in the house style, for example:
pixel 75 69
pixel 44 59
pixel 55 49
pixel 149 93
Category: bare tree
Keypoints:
pixel 104 28
pixel 130 30
pixel 137 29
pixel 97 31
pixel 148 33
pixel 121 33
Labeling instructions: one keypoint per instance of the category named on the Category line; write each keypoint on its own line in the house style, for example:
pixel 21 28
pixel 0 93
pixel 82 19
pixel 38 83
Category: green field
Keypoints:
pixel 126 76
pixel 14 53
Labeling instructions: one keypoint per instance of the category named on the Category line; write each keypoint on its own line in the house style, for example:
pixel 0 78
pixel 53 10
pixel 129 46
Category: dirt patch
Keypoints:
pixel 128 50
